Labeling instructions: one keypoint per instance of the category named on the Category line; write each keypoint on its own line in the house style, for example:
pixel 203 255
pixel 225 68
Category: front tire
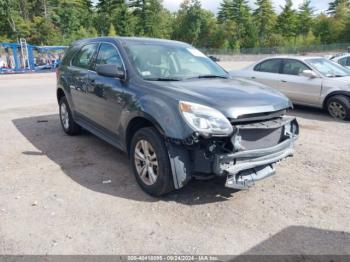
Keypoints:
pixel 67 122
pixel 339 107
pixel 150 162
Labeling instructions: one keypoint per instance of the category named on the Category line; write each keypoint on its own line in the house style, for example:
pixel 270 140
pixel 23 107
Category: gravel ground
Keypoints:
pixel 76 195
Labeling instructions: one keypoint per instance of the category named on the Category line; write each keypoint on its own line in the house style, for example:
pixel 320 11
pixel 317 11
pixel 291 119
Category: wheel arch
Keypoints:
pixel 59 94
pixel 334 93
pixel 178 155
pixel 138 122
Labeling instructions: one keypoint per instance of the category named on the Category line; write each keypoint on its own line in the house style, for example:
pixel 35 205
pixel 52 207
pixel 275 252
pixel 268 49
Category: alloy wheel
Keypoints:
pixel 337 110
pixel 64 116
pixel 146 162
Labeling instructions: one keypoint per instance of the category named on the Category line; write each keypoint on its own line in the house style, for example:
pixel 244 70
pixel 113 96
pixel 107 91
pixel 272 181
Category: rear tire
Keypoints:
pixel 68 124
pixel 150 163
pixel 339 107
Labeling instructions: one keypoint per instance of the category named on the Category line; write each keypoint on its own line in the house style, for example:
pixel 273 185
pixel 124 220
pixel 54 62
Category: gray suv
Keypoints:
pixel 175 112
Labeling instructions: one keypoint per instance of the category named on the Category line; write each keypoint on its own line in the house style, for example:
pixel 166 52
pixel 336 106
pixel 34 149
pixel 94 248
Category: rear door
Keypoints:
pixel 300 89
pixel 268 72
pixel 106 94
pixel 79 74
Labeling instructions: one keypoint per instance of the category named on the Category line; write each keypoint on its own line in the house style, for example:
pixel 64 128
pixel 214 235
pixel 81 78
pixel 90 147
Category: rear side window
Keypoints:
pixel 293 67
pixel 270 66
pixel 84 56
pixel 108 55
pixel 345 61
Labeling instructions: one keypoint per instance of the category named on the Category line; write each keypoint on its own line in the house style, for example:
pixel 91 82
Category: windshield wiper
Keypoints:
pixel 209 76
pixel 162 79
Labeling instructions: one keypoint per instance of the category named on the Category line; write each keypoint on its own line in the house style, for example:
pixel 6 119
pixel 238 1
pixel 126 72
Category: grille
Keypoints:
pixel 260 138
pixel 261 134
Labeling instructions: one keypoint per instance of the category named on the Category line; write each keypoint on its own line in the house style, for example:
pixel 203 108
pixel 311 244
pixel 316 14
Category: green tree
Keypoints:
pixel 305 18
pixel 335 3
pixel 287 21
pixel 112 31
pixel 188 22
pixel 322 28
pixel 208 28
pixel 264 19
pixel 225 11
pixel 152 19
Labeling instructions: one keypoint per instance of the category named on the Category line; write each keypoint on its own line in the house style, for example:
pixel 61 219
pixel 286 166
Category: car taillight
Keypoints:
pixel 57 73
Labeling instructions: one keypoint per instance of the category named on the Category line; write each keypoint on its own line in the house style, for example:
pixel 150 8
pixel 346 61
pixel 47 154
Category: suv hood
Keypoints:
pixel 233 97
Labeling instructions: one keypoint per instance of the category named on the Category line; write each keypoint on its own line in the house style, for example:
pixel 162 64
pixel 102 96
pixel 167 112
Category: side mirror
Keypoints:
pixel 214 58
pixel 110 71
pixel 309 74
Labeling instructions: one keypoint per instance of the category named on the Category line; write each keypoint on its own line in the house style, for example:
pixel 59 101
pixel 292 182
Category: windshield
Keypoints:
pixel 168 62
pixel 328 68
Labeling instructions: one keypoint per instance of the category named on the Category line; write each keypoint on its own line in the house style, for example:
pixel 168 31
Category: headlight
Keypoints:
pixel 204 119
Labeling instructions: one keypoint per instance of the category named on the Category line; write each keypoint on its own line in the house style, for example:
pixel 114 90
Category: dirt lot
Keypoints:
pixel 53 199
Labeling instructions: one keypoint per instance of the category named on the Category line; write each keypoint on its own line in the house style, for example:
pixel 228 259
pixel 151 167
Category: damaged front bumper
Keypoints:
pixel 249 155
pixel 243 169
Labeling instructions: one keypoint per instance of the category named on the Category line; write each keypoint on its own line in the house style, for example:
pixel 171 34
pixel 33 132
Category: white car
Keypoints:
pixel 342 59
pixel 310 81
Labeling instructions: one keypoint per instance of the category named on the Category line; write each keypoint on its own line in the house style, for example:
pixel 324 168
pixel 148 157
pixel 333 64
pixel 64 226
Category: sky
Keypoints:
pixel 213 5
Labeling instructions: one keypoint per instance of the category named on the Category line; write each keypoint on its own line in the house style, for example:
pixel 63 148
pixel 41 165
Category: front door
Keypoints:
pixel 300 89
pixel 106 94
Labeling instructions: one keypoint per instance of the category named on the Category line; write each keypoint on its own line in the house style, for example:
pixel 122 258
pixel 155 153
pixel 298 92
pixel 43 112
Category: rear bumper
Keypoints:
pixel 243 169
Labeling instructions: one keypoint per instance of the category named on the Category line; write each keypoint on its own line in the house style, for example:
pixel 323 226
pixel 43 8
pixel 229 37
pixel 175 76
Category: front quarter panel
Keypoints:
pixel 332 86
pixel 162 111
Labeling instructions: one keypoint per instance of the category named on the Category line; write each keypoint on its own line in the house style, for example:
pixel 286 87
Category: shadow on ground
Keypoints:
pixel 90 161
pixel 305 243
pixel 312 113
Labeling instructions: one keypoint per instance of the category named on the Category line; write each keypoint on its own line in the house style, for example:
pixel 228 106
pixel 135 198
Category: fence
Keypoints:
pixel 280 50
pixel 249 54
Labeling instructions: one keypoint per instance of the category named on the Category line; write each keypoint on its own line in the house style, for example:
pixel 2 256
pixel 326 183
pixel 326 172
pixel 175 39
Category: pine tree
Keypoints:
pixel 149 14
pixel 335 3
pixel 305 18
pixel 246 31
pixel 287 21
pixel 264 18
pixel 225 11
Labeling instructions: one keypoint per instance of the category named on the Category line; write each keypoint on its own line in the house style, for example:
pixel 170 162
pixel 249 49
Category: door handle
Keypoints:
pixel 283 81
pixel 253 77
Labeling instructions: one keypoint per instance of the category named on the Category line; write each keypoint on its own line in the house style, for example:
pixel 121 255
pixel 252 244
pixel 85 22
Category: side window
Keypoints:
pixel 343 61
pixel 348 62
pixel 84 56
pixel 108 55
pixel 270 66
pixel 294 67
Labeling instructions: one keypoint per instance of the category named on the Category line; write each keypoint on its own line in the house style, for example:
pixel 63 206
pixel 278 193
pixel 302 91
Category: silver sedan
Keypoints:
pixel 342 59
pixel 310 81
